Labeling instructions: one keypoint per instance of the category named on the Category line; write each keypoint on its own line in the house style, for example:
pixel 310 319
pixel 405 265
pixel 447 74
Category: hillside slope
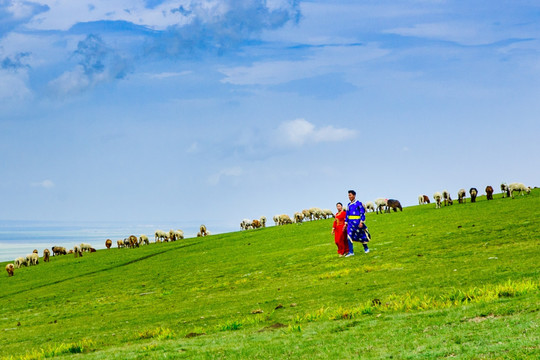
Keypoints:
pixel 427 267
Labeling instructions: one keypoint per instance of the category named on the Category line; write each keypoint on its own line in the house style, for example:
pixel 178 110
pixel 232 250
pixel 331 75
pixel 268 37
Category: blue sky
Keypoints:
pixel 217 111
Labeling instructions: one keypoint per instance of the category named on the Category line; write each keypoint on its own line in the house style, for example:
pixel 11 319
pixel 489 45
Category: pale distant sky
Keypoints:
pixel 222 110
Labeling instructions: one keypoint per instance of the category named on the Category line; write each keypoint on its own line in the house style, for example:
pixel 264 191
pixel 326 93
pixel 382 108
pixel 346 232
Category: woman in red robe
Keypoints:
pixel 339 230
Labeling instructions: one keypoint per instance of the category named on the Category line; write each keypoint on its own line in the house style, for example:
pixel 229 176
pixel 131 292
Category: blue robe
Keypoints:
pixel 356 214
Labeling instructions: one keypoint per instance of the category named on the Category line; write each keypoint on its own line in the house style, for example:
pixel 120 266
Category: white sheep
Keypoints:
pixel 143 239
pixel 32 259
pixel 381 204
pixel 446 197
pixel 316 213
pixel 85 247
pixel 20 261
pixel 298 217
pixel 462 196
pixel 505 190
pixel 328 213
pixel 421 200
pixel 203 230
pixel 263 221
pixel 9 269
pixel 307 214
pixel 437 197
pixel 160 235
pixel 276 220
pixel 77 250
pixel 513 187
pixel 284 219
pixel 370 206
pixel 245 224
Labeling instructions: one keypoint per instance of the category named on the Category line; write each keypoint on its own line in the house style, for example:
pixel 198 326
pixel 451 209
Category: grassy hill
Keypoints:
pixel 461 281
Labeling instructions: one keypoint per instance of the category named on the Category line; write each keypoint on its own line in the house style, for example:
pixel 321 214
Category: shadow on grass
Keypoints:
pixel 100 270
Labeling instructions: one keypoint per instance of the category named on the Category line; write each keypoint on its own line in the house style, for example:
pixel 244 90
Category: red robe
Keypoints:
pixel 340 235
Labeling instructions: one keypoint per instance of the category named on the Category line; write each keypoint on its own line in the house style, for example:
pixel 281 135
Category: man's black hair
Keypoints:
pixel 352 192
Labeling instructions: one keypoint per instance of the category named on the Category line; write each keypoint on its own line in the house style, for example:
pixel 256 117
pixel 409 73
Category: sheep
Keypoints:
pixel 421 200
pixel 393 204
pixel 447 198
pixel 505 190
pixel 256 224
pixel 32 259
pixel 474 194
pixel 85 247
pixel 126 242
pixel 20 261
pixel 276 219
pixel 199 234
pixel 489 192
pixel 77 250
pixel 35 251
pixel 9 269
pixel 317 213
pixel 285 219
pixel 380 203
pixel 59 250
pixel 437 197
pixel 328 213
pixel 120 243
pixel 370 206
pixel 108 243
pixel 46 255
pixel 143 239
pixel 133 241
pixel 307 214
pixel 298 217
pixel 461 194
pixel 263 221
pixel 160 235
pixel 245 224
pixel 513 187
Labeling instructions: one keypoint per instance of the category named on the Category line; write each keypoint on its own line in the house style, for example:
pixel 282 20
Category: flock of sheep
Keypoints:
pixel 314 213
pixel 129 242
pixel 446 199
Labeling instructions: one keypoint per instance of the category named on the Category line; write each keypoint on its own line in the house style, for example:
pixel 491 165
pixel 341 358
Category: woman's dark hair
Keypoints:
pixel 339 204
pixel 352 192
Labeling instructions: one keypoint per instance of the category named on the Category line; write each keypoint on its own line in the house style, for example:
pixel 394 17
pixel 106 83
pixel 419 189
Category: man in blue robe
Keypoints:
pixel 356 228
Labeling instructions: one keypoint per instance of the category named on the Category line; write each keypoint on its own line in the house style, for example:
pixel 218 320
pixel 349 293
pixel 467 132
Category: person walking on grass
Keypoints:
pixel 357 230
pixel 339 231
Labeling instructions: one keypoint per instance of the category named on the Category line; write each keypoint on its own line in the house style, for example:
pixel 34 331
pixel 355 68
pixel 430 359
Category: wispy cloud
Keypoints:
pixel 97 63
pixel 13 85
pixel 235 171
pixel 300 131
pixel 46 184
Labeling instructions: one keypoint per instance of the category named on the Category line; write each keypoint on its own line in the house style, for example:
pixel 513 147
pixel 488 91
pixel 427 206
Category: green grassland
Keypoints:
pixel 458 282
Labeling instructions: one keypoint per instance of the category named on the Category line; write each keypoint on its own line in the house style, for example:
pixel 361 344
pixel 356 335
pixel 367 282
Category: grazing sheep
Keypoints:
pixel 120 243
pixel 77 251
pixel 46 255
pixel 307 214
pixel 160 235
pixel 32 259
pixel 461 194
pixel 421 200
pixel 9 269
pixel 143 239
pixel 108 243
pixel 126 242
pixel 20 261
pixel 437 197
pixel 447 198
pixel 203 230
pixel 474 194
pixel 380 203
pixel 133 241
pixel 85 247
pixel 246 224
pixel 393 204
pixel 489 192
pixel 298 217
pixel 370 206
pixel 513 187
pixel 256 224
pixel 328 213
pixel 285 219
pixel 505 190
pixel 263 221
pixel 59 250
pixel 317 213
pixel 276 220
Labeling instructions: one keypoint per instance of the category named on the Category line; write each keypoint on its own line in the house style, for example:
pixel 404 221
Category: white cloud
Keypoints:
pixel 235 171
pixel 46 184
pixel 13 85
pixel 166 75
pixel 300 131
